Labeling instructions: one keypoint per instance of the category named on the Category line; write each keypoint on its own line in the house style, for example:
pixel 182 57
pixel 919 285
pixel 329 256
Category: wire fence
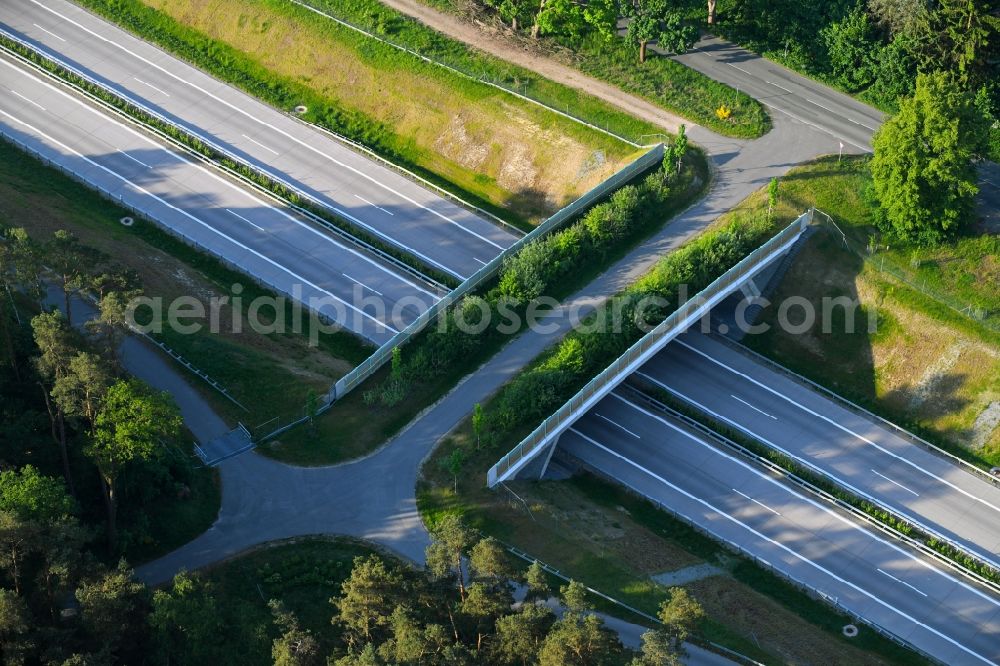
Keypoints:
pixel 876 256
pixel 643 348
pixel 515 88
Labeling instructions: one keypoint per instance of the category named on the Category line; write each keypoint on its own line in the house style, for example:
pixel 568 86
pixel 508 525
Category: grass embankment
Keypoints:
pixel 660 80
pixel 510 156
pixel 435 361
pixel 926 366
pixel 270 374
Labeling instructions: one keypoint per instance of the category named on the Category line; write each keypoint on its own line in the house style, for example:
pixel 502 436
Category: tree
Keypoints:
pixel 366 657
pixel 564 17
pixel 898 16
pixel 641 31
pixel 82 387
pixel 488 561
pixel 578 640
pixel 675 35
pixel 449 539
pixel 478 423
pixel 602 16
pixel 711 12
pixel 538 584
pixel 574 597
pixel 15 622
pixel 366 599
pixel 680 614
pixel 114 608
pixel 295 646
pixel 484 603
pixel 186 622
pixel 72 262
pixel 511 10
pixel 453 464
pixel 31 496
pixel 852 50
pixel 112 323
pixel 519 636
pixel 922 171
pixel 959 37
pixel 653 19
pixel 128 429
pixel 57 344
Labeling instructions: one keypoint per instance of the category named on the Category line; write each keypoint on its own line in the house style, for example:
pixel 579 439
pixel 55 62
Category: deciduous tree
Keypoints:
pixel 128 428
pixel 922 171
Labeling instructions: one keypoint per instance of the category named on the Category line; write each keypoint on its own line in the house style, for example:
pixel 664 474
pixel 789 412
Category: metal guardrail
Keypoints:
pixel 853 406
pixel 819 492
pixel 382 355
pixel 642 349
pixel 778 573
pixel 328 226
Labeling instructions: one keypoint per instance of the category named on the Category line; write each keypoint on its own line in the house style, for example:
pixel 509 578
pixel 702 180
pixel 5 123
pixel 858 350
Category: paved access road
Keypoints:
pixel 265 240
pixel 785 92
pixel 810 541
pixel 856 452
pixel 357 187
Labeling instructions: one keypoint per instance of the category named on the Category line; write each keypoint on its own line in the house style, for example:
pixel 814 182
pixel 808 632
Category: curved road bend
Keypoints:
pixel 867 573
pixel 854 451
pixel 265 240
pixel 377 198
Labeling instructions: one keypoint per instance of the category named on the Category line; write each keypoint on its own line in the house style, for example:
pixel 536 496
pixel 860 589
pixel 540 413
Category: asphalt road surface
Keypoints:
pixel 785 92
pixel 441 233
pixel 812 542
pixel 265 240
pixel 856 452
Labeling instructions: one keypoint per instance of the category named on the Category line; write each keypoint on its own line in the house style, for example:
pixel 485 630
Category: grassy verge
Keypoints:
pixel 434 362
pixel 389 24
pixel 489 147
pixel 926 366
pixel 42 199
pixel 303 574
pixel 660 80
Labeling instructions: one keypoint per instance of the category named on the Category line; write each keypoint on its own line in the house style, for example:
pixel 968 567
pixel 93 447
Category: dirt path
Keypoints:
pixel 486 39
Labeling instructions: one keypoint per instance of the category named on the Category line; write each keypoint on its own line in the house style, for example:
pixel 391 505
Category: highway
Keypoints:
pixel 355 186
pixel 265 240
pixel 785 92
pixel 862 571
pixel 858 453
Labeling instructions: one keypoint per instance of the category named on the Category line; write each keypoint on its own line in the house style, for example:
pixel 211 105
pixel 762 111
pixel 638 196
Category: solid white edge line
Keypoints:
pixel 839 426
pixel 802 460
pixel 846 521
pixel 195 219
pixel 276 129
pixel 308 227
pixel 783 547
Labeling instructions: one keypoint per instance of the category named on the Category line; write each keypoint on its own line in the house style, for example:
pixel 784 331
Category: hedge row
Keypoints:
pixel 545 266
